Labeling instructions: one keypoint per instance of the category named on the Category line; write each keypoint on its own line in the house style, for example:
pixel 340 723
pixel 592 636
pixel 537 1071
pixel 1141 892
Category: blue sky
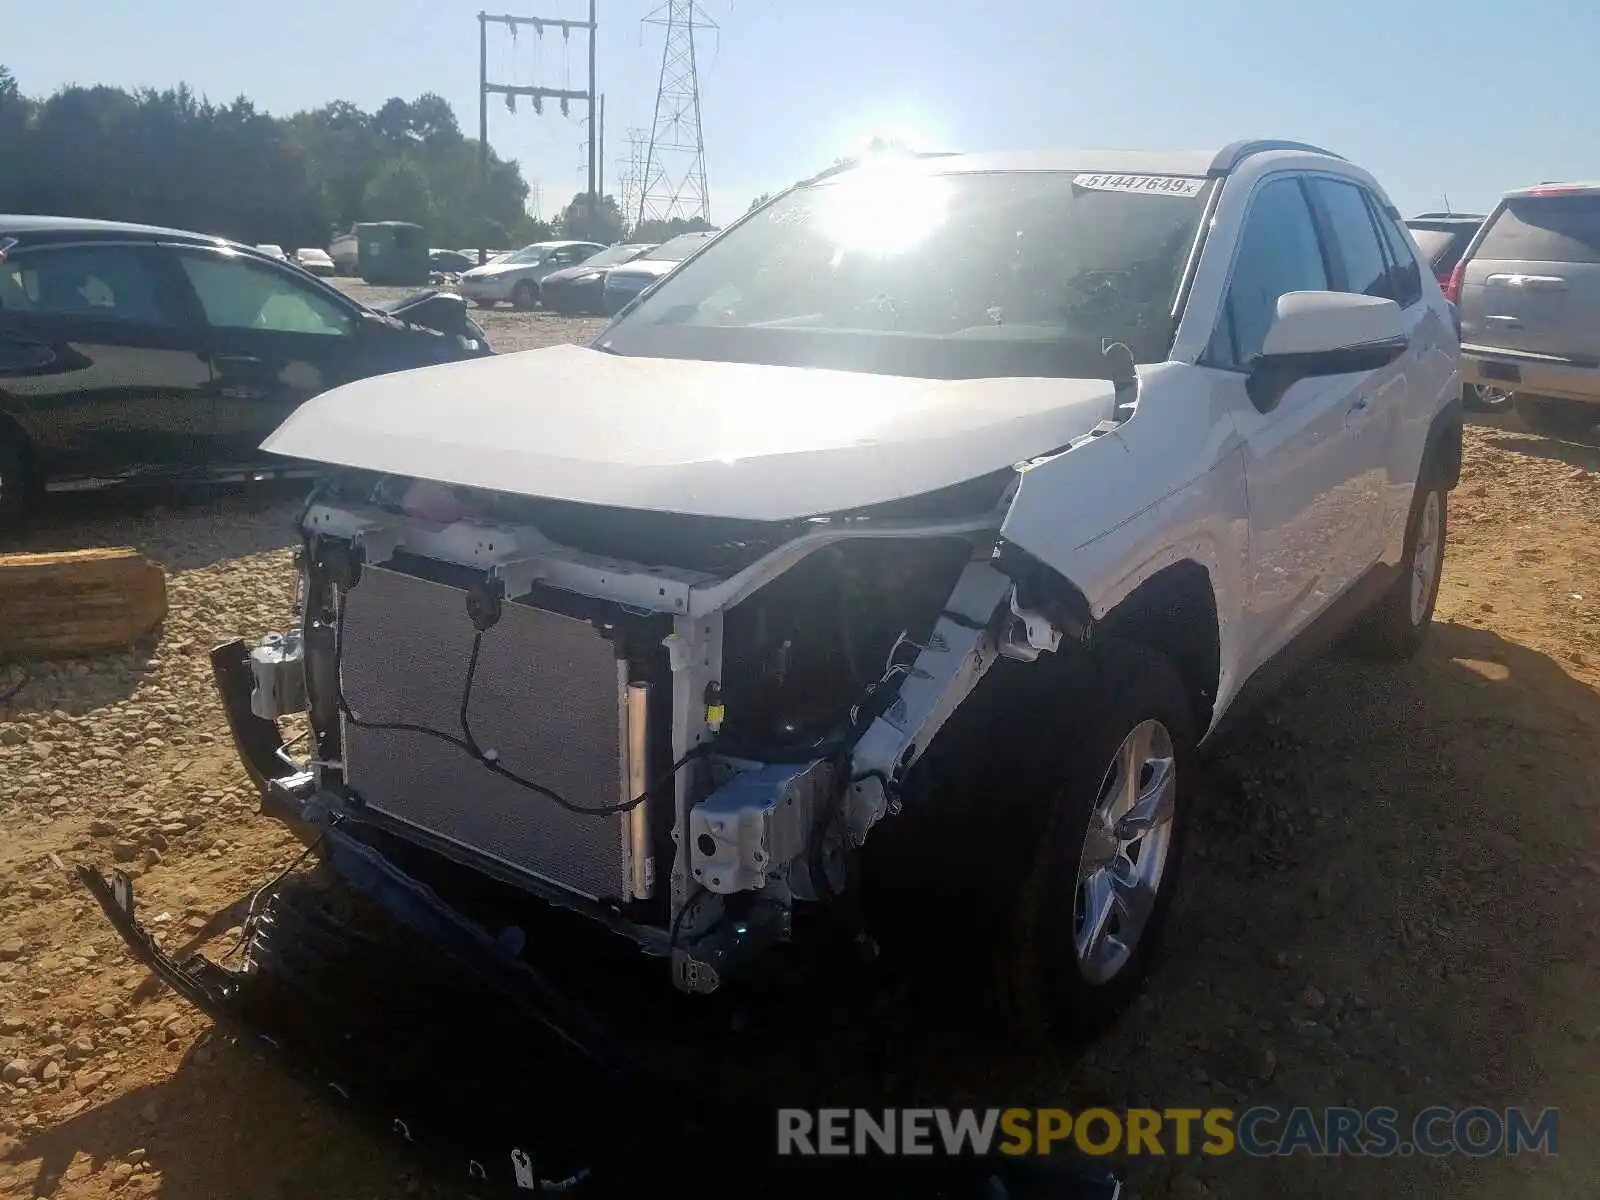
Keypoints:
pixel 1433 96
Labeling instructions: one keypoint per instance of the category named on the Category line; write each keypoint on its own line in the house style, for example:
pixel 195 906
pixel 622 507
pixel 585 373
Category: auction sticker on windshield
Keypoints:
pixel 1154 185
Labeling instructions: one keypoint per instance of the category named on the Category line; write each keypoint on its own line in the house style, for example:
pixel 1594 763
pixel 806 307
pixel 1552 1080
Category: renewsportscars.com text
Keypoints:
pixel 1259 1132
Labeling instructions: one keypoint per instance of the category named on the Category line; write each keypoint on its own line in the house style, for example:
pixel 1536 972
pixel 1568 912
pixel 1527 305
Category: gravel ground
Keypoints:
pixel 1389 902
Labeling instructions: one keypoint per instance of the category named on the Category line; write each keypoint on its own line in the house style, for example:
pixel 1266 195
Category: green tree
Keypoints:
pixel 603 222
pixel 399 192
pixel 170 157
pixel 661 231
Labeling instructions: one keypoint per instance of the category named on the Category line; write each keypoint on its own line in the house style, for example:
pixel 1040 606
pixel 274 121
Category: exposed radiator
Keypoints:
pixel 550 697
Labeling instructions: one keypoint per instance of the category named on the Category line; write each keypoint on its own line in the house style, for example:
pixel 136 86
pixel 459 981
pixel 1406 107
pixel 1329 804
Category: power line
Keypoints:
pixel 673 178
pixel 564 96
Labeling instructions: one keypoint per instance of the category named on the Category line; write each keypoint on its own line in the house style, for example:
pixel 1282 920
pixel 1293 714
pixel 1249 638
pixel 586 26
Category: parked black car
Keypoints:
pixel 575 291
pixel 131 354
pixel 450 262
pixel 1442 237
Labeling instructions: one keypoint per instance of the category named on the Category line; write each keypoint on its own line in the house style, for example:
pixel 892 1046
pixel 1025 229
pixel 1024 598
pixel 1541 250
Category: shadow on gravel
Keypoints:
pixel 1386 906
pixel 228 1122
pixel 182 529
pixel 1575 454
pixel 73 686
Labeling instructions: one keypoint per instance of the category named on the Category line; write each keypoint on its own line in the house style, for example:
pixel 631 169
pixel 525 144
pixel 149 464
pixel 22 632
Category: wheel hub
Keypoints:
pixel 1124 855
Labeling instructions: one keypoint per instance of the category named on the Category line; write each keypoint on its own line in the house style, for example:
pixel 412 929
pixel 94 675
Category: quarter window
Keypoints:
pixel 1278 253
pixel 242 295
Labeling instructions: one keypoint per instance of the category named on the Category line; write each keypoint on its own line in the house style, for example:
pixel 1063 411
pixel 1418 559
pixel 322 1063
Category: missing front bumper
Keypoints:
pixel 454 1071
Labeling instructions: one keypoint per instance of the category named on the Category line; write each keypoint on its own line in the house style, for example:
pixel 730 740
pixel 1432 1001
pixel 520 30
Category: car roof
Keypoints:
pixel 1554 188
pixel 1217 161
pixel 15 223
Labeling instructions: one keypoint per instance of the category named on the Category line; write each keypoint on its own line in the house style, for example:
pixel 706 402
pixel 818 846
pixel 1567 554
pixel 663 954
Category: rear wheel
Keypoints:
pixel 1556 418
pixel 1483 398
pixel 1396 628
pixel 525 295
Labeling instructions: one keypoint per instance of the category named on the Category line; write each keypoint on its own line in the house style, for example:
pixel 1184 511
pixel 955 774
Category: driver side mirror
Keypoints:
pixel 1324 333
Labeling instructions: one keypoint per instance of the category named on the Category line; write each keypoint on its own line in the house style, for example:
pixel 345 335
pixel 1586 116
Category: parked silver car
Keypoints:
pixel 1528 289
pixel 515 278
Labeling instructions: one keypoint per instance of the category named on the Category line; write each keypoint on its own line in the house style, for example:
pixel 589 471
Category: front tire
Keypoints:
pixel 525 296
pixel 1398 625
pixel 1090 912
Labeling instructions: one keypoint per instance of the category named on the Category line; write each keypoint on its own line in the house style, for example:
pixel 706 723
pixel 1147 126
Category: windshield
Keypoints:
pixel 612 255
pixel 936 275
pixel 676 250
pixel 1434 243
pixel 525 256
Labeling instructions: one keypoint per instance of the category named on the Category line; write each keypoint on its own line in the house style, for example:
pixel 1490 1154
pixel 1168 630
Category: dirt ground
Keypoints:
pixel 1391 902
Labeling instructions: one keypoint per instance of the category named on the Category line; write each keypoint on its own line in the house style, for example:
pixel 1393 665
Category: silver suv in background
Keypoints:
pixel 1528 290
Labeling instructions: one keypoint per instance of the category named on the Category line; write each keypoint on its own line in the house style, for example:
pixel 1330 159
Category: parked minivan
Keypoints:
pixel 1528 290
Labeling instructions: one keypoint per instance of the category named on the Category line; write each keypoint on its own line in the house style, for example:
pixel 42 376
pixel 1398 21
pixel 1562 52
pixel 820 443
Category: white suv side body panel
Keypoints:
pixel 1173 482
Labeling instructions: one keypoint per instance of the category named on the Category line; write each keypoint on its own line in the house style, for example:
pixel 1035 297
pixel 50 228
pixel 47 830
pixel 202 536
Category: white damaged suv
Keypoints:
pixel 894 557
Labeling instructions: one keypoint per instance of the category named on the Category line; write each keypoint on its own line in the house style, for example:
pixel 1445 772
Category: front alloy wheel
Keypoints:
pixel 1124 857
pixel 1114 778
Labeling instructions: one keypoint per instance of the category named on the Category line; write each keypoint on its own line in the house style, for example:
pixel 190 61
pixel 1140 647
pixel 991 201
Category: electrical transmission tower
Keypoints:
pixel 631 168
pixel 673 181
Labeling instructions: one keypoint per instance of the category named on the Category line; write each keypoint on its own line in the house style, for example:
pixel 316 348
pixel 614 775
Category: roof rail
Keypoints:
pixel 1231 156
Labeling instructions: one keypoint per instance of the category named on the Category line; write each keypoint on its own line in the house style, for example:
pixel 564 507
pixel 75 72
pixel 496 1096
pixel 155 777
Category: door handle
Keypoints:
pixel 236 360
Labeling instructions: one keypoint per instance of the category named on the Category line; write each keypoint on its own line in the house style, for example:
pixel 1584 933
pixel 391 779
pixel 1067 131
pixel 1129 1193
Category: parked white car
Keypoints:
pixel 273 251
pixel 314 260
pixel 514 278
pixel 909 541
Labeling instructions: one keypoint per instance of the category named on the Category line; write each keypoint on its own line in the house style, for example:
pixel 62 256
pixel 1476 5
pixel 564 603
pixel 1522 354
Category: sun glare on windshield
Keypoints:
pixel 884 208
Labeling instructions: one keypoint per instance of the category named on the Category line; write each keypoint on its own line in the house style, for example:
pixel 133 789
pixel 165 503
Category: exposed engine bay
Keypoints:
pixel 686 746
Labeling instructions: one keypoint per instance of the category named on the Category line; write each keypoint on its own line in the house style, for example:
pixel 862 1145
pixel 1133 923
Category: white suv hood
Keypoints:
pixel 702 438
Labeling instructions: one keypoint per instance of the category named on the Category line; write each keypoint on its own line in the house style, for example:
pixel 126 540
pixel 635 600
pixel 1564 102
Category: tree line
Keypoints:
pixel 170 157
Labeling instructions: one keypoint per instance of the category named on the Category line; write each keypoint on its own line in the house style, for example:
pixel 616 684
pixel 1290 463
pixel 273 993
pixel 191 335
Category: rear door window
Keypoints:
pixel 99 283
pixel 1356 247
pixel 1545 229
pixel 1405 272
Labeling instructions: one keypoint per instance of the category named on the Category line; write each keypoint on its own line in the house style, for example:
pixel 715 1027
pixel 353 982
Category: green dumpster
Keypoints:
pixel 392 253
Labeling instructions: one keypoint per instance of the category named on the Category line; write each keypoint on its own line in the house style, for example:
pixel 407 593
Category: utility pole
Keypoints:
pixel 538 95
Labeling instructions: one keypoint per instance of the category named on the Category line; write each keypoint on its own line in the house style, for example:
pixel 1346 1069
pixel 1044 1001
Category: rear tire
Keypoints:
pixel 1398 624
pixel 1479 398
pixel 1125 736
pixel 1551 417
